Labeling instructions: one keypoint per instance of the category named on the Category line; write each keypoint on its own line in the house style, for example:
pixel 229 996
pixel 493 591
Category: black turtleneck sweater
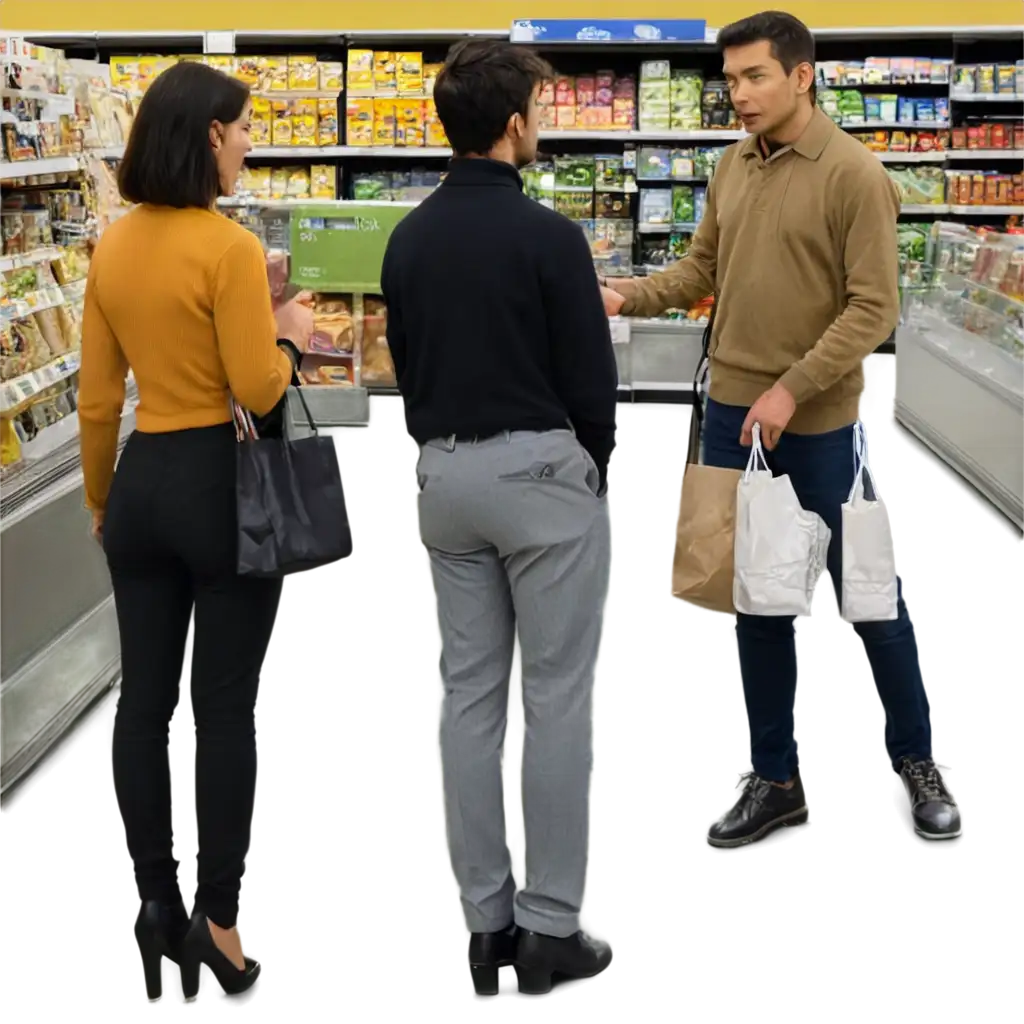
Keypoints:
pixel 495 319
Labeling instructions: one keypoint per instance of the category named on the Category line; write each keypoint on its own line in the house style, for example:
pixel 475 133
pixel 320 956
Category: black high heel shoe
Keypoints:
pixel 489 951
pixel 198 949
pixel 159 930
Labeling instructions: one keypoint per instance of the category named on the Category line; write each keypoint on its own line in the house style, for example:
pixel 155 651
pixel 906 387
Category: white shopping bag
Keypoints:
pixel 869 591
pixel 781 549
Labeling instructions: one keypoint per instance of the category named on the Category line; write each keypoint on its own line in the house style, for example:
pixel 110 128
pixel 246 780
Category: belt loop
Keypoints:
pixel 508 437
pixel 450 443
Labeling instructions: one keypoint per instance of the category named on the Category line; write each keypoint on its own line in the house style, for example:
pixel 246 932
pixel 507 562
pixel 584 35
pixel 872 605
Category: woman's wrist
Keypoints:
pixel 291 350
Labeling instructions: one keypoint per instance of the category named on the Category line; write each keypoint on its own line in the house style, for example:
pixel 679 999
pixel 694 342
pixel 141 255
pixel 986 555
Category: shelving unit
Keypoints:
pixel 9 171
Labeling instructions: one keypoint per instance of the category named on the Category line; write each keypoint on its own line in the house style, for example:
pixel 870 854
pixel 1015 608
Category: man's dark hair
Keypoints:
pixel 791 40
pixel 168 160
pixel 485 82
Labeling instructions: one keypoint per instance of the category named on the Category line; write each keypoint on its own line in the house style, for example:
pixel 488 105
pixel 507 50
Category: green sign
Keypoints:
pixel 339 247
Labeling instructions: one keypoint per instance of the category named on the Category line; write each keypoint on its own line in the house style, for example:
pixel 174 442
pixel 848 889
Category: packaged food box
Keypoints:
pixel 716 106
pixel 654 163
pixel 985 82
pixel 409 73
pixel 655 206
pixel 282 130
pixel 332 76
pixel 575 205
pixel 942 70
pixel 1006 79
pixel 852 72
pixel 279 177
pixel 410 122
pixel 327 120
pixel 565 91
pixel 273 74
pixel 304 130
pixel 124 73
pixel 430 73
pixel 383 122
pixel 360 71
pixel 609 173
pixel 686 91
pixel 247 71
pixel 385 78
pixel 565 117
pixel 655 105
pixel 655 71
pixel 359 121
pixel 298 183
pixel 303 73
pixel 683 210
pixel 902 70
pixel 574 171
pixel 877 71
pixel 436 136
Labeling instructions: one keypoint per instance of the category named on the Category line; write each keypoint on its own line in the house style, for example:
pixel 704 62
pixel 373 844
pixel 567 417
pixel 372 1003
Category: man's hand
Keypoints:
pixel 613 301
pixel 773 410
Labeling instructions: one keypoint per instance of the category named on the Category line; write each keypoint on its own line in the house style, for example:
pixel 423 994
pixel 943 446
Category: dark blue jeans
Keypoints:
pixel 821 469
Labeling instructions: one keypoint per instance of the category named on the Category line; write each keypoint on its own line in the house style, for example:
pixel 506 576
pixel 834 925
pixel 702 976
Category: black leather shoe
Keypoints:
pixel 489 951
pixel 198 949
pixel 936 815
pixel 160 931
pixel 761 809
pixel 542 960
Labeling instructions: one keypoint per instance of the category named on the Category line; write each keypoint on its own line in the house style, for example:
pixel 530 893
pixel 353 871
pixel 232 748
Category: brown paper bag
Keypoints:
pixel 702 572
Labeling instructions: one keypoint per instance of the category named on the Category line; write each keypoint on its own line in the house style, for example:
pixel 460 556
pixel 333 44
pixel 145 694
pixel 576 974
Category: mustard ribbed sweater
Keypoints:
pixel 181 298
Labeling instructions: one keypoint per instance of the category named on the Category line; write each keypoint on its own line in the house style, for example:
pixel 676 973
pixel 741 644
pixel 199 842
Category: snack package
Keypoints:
pixel 277 276
pixel 409 73
pixel 385 78
pixel 430 73
pixel 359 122
pixel 332 76
pixel 717 111
pixel 279 178
pixel 327 120
pixel 624 103
pixel 383 122
pixel 247 71
pixel 435 133
pixel 377 367
pixel 334 324
pixel 655 206
pixel 262 126
pixel 410 122
pixel 282 125
pixel 686 90
pixel 323 181
pixel 48 323
pixel 303 74
pixel 273 73
pixel 304 129
pixel 360 71
pixel 298 183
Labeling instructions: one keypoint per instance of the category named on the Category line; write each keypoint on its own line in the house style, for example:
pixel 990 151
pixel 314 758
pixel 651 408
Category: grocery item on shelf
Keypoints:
pixel 376 367
pixel 404 186
pixel 985 188
pixel 853 107
pixel 988 134
pixel 920 184
pixel 1003 79
pixel 599 102
pixel 916 141
pixel 885 71
pixel 334 329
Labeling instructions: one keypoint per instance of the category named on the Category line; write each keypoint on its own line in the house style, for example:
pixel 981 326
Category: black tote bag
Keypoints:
pixel 291 506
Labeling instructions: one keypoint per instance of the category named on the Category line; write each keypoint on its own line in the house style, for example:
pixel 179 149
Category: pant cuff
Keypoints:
pixel 558 926
pixel 223 913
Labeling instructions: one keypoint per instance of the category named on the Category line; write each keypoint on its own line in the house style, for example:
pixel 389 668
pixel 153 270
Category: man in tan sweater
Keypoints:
pixel 798 245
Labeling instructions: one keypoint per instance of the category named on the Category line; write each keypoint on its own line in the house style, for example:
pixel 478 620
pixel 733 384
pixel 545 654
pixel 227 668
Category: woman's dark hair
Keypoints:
pixel 485 82
pixel 791 40
pixel 169 160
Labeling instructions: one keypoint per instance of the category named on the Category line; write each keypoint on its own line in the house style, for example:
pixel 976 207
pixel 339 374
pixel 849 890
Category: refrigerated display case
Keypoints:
pixel 960 360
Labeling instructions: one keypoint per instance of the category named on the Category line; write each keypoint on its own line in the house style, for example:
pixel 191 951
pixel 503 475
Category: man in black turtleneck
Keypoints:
pixel 504 359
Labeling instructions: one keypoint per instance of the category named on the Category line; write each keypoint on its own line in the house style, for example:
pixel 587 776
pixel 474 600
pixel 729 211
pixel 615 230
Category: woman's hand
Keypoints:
pixel 96 527
pixel 295 321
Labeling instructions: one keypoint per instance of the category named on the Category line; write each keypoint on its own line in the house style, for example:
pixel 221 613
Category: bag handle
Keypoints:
pixel 861 466
pixel 703 364
pixel 245 428
pixel 756 455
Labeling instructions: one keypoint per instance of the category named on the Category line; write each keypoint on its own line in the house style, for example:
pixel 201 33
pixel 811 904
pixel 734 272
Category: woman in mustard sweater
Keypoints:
pixel 178 294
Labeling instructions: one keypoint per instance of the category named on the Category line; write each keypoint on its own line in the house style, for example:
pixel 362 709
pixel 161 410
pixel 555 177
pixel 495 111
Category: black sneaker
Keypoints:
pixel 542 961
pixel 761 809
pixel 489 951
pixel 936 815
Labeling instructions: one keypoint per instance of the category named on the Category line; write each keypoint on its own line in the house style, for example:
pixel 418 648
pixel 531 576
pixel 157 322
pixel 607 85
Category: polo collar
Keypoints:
pixel 810 145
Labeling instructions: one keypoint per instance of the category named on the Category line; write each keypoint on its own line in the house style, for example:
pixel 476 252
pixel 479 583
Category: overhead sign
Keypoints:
pixel 622 30
pixel 340 248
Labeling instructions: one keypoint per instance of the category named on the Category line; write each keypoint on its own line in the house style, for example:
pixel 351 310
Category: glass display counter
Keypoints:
pixel 960 360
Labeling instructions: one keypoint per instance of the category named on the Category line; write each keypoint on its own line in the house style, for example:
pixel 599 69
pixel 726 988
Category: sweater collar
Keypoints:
pixel 482 171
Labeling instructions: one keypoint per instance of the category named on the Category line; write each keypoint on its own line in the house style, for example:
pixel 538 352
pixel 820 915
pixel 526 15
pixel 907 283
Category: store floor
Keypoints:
pixel 348 899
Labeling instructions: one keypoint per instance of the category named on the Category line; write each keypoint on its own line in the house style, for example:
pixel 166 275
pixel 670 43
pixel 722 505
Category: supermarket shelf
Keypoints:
pixel 392 152
pixel 934 157
pixel 18 309
pixel 665 229
pixel 19 390
pixel 28 259
pixel 875 126
pixel 29 168
pixel 45 97
pixel 925 208
pixel 986 97
pixel 987 211
pixel 982 155
pixel 667 135
pixel 106 152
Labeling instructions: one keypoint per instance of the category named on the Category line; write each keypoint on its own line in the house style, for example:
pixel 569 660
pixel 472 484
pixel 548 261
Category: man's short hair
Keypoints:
pixel 791 40
pixel 485 82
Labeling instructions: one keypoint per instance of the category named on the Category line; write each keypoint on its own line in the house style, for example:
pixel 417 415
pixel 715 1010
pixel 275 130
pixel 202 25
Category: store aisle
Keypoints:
pixel 671 737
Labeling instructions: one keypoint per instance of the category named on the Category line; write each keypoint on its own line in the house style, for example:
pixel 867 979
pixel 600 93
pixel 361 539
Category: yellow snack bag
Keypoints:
pixel 327 113
pixel 410 122
pixel 124 73
pixel 360 71
pixel 298 183
pixel 221 62
pixel 282 132
pixel 409 73
pixel 383 122
pixel 304 130
pixel 430 73
pixel 273 74
pixel 262 122
pixel 332 76
pixel 303 74
pixel 359 122
pixel 323 181
pixel 247 71
pixel 384 75
pixel 279 178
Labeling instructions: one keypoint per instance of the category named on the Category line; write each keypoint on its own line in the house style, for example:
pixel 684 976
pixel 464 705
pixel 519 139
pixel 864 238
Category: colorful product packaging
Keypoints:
pixel 327 118
pixel 359 121
pixel 360 71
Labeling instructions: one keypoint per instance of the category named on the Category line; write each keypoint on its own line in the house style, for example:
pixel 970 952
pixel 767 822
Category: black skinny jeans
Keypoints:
pixel 170 541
